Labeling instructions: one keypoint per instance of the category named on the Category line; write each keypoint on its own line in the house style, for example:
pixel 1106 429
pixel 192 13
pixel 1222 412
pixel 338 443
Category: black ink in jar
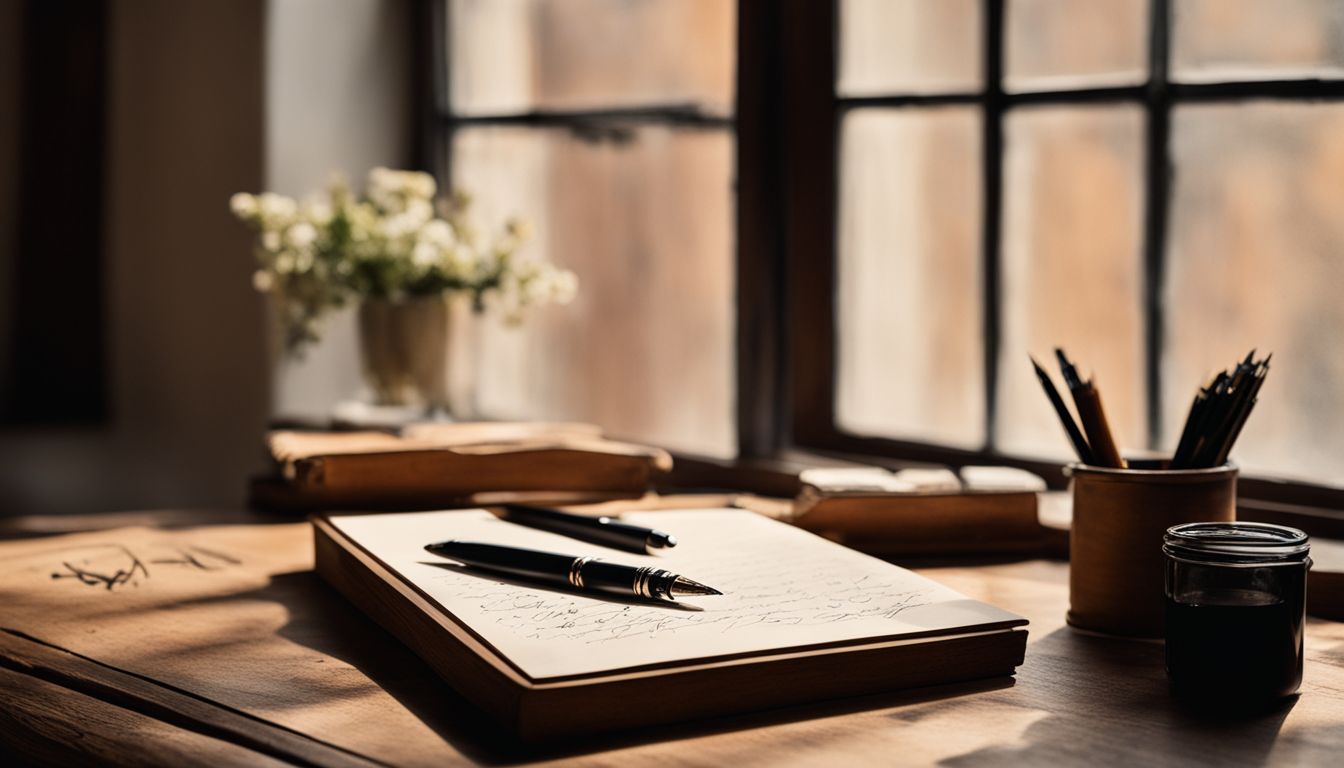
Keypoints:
pixel 1236 603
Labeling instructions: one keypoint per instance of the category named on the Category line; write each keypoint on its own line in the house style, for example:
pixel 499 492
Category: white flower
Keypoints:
pixel 564 286
pixel 424 255
pixel 397 191
pixel 399 226
pixel 439 233
pixel 463 260
pixel 420 185
pixel 419 211
pixel 273 206
pixel 414 183
pixel 301 235
pixel 382 184
pixel 537 289
pixel 395 233
pixel 243 205
pixel 317 212
pixel 363 220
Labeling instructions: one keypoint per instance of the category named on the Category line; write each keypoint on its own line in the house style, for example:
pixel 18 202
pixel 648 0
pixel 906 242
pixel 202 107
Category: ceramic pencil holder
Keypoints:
pixel 1115 543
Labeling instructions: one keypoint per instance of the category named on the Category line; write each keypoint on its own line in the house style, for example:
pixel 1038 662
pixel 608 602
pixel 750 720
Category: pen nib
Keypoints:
pixel 684 587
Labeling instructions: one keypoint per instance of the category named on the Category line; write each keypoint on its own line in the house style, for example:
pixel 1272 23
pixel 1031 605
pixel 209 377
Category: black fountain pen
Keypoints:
pixel 581 572
pixel 599 530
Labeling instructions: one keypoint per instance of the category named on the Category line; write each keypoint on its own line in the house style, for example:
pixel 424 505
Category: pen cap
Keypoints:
pixel 1115 543
pixel 660 540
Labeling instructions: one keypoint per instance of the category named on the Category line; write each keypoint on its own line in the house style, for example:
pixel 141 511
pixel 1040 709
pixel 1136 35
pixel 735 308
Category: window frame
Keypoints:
pixel 813 262
pixel 437 122
pixel 786 122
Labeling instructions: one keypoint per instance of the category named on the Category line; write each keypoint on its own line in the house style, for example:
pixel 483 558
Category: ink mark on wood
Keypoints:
pixel 121 567
pixel 88 574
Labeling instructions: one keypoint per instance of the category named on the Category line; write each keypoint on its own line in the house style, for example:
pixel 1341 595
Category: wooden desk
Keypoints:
pixel 246 657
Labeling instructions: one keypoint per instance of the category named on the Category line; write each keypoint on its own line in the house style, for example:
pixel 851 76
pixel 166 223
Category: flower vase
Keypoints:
pixel 403 348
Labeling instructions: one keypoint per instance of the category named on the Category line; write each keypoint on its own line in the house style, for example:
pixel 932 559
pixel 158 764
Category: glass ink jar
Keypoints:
pixel 1236 603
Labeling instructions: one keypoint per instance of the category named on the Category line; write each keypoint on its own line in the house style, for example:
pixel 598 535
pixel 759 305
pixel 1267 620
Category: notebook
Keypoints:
pixel 801 619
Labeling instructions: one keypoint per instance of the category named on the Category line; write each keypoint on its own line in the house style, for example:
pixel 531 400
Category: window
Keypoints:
pixel 844 225
pixel 610 124
pixel 1154 185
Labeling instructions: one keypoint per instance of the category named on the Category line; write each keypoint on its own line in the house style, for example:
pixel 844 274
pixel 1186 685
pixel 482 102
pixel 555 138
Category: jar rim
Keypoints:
pixel 1236 542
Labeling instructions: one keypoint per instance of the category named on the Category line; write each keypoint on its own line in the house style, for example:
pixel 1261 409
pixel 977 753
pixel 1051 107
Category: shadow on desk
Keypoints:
pixel 322 620
pixel 267 658
pixel 37 526
pixel 1089 685
pixel 1097 695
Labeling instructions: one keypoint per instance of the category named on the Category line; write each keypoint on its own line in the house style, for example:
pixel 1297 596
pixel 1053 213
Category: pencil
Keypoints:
pixel 1087 399
pixel 1093 415
pixel 1251 397
pixel 1219 413
pixel 1189 432
pixel 1065 418
pixel 1199 423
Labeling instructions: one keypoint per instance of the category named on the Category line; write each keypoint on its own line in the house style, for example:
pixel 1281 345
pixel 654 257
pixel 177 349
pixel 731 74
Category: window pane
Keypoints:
pixel 647 348
pixel 520 55
pixel 1072 44
pixel 1072 269
pixel 1255 259
pixel 910 46
pixel 909 313
pixel 1257 39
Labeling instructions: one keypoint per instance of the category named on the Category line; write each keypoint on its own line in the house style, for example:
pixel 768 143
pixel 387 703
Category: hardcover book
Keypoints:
pixel 430 466
pixel 801 619
pixel 921 512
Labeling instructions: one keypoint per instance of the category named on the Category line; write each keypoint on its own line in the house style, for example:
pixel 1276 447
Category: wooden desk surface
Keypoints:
pixel 223 647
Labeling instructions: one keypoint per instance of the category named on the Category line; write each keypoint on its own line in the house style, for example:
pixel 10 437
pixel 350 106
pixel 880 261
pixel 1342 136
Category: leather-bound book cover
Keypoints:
pixel 437 465
pixel 926 512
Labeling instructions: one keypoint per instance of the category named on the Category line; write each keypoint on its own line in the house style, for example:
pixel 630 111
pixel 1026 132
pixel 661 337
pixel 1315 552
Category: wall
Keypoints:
pixel 339 100
pixel 187 378
pixel 206 99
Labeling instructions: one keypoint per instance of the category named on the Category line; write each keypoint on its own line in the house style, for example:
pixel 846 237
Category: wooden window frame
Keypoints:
pixel 786 121
pixel 814 115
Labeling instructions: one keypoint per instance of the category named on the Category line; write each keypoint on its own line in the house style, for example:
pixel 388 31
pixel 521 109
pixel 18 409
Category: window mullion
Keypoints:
pixel 994 105
pixel 1158 174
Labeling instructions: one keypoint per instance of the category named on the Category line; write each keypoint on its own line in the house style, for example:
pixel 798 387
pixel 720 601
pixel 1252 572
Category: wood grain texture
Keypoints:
pixel 268 639
pixel 138 695
pixel 46 724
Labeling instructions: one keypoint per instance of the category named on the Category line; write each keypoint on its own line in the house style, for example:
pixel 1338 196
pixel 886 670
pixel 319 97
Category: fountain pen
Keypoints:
pixel 581 572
